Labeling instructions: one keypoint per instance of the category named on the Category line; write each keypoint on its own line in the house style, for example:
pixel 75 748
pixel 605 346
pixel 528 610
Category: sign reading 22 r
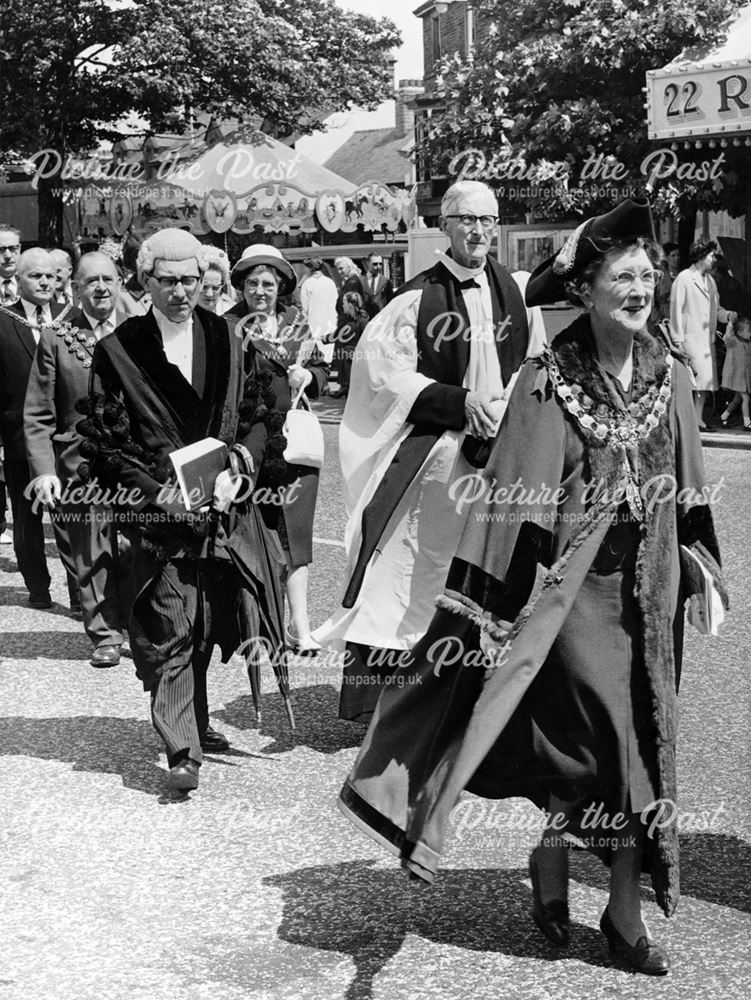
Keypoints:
pixel 690 92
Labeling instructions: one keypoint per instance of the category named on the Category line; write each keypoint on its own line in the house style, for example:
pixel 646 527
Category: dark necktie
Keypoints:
pixel 39 317
pixel 7 294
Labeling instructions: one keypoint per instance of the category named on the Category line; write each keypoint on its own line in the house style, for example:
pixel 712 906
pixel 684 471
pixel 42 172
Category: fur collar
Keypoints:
pixel 575 354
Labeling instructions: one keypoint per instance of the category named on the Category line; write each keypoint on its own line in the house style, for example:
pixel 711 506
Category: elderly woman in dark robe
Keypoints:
pixel 286 359
pixel 570 600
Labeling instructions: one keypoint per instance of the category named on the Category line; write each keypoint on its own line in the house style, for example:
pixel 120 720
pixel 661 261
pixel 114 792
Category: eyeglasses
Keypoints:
pixel 254 285
pixel 470 221
pixel 16 248
pixel 625 280
pixel 169 284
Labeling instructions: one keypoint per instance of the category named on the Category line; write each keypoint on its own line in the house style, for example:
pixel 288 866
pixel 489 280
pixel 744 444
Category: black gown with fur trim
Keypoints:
pixel 586 708
pixel 139 410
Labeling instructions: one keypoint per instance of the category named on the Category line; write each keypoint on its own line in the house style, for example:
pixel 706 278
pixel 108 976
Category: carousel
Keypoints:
pixel 248 188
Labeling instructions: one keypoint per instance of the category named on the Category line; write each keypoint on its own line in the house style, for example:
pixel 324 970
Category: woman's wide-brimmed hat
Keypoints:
pixel 547 283
pixel 264 254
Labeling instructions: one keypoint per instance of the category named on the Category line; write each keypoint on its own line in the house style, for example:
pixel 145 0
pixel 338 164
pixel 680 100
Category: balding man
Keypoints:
pixel 20 329
pixel 59 378
pixel 426 396
pixel 63 271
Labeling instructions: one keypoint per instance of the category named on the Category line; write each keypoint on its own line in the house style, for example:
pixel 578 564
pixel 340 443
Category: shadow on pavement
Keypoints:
pixel 100 744
pixel 366 913
pixel 716 867
pixel 315 711
pixel 51 645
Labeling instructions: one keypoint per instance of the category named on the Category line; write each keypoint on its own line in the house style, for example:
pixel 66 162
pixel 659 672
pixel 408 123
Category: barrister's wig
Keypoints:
pixel 169 244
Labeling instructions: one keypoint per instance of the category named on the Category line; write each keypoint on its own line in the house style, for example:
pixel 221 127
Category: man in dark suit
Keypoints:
pixel 59 378
pixel 20 327
pixel 10 248
pixel 64 291
pixel 378 287
pixel 172 378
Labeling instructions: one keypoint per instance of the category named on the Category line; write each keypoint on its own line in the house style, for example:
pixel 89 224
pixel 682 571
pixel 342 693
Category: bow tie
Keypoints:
pixel 469 283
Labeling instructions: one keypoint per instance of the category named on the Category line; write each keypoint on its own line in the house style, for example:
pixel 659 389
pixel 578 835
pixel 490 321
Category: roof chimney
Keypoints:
pixel 405 116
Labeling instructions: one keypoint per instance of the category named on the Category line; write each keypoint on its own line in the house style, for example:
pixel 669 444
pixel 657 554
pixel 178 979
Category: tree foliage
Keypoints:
pixel 70 70
pixel 555 83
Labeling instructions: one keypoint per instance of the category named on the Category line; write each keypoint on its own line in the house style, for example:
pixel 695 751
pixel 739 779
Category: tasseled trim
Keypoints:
pixel 108 445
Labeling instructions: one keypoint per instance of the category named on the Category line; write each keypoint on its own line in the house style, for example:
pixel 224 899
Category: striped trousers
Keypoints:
pixel 170 630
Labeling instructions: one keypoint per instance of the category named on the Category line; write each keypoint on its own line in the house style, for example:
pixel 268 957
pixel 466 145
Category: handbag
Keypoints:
pixel 304 435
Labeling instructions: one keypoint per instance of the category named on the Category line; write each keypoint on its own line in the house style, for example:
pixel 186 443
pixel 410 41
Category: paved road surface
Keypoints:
pixel 254 888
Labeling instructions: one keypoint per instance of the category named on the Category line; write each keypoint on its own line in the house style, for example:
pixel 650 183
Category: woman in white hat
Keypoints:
pixel 286 355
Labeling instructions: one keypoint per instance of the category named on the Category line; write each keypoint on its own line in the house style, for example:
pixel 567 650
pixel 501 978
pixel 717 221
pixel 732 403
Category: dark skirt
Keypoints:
pixel 584 728
pixel 294 520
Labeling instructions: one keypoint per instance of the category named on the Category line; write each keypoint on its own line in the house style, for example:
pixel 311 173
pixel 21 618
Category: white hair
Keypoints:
pixel 463 189
pixel 348 264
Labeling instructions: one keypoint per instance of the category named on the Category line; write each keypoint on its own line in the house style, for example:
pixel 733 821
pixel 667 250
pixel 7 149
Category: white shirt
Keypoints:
pixel 101 327
pixel 31 314
pixel 177 339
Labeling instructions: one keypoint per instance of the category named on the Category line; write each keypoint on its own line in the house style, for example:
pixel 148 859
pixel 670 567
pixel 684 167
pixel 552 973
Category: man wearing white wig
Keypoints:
pixel 428 387
pixel 170 378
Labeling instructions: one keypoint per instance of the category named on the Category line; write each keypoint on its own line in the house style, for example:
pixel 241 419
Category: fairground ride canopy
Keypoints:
pixel 245 182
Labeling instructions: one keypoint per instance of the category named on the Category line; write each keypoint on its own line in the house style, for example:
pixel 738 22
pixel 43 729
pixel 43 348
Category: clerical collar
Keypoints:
pixel 170 329
pixel 460 272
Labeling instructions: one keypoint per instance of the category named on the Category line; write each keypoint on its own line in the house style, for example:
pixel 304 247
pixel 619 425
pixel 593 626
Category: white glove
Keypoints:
pixel 226 489
pixel 299 378
pixel 49 490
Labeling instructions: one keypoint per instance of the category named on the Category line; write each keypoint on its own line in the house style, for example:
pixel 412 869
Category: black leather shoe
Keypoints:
pixel 40 599
pixel 644 956
pixel 214 742
pixel 183 777
pixel 552 918
pixel 105 656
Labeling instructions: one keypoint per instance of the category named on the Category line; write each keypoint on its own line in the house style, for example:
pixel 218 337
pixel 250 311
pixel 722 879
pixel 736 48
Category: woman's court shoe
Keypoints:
pixel 306 647
pixel 552 918
pixel 644 956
